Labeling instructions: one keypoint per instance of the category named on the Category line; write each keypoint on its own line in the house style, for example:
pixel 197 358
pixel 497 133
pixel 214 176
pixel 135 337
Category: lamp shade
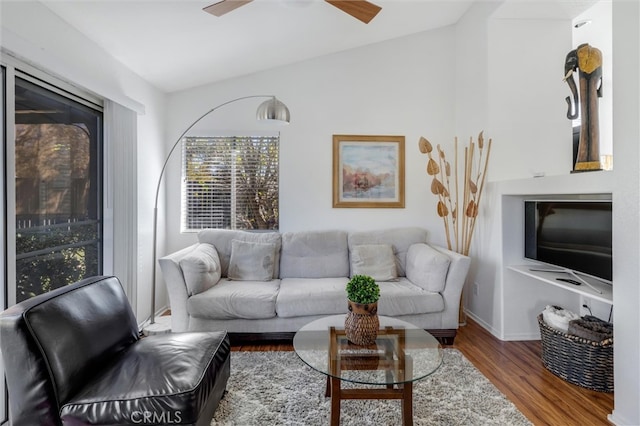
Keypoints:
pixel 273 109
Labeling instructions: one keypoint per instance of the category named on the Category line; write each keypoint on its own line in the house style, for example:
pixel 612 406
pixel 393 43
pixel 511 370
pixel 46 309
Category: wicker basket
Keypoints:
pixel 361 323
pixel 577 360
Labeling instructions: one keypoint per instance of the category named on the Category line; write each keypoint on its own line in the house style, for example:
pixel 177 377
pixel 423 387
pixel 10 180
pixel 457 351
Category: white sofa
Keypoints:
pixel 266 285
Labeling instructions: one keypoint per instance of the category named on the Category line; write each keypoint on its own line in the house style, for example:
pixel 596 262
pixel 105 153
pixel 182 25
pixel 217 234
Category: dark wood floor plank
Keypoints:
pixel 516 369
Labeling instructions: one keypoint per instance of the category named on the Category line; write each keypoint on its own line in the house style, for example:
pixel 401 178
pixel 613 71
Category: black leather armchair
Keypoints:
pixel 73 356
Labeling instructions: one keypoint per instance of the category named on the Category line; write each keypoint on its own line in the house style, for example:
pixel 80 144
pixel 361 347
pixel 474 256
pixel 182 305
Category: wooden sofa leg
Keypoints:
pixel 446 337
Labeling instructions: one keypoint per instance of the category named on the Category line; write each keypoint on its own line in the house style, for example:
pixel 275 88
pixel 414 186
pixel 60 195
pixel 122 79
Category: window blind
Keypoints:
pixel 230 182
pixel 121 197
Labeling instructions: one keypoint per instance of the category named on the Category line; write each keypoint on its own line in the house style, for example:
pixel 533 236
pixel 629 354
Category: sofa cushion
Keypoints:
pixel 236 299
pixel 314 254
pixel 221 240
pixel 163 379
pixel 312 296
pixel 374 260
pixel 404 298
pixel 399 238
pixel 427 267
pixel 251 261
pixel 201 268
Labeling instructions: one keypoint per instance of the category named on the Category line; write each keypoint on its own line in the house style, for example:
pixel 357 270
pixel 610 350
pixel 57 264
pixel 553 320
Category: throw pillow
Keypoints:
pixel 375 260
pixel 251 261
pixel 201 268
pixel 427 267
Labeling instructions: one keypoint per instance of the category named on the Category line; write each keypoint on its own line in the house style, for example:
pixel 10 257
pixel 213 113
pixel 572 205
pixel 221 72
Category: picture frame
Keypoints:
pixel 368 171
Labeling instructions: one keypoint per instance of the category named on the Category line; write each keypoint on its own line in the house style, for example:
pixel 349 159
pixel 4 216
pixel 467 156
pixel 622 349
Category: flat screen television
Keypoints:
pixel 575 235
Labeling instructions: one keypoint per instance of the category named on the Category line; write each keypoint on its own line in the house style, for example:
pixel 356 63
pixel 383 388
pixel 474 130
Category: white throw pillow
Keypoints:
pixel 251 261
pixel 374 260
pixel 201 268
pixel 427 267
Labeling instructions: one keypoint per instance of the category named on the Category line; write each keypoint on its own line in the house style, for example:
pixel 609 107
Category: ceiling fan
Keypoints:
pixel 359 9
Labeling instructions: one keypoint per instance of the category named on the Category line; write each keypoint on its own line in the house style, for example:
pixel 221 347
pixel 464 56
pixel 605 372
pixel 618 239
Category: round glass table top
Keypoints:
pixel 401 353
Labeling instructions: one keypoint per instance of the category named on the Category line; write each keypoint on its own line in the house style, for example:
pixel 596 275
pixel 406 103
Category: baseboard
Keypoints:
pixel 485 325
pixel 614 420
pixel 503 337
pixel 521 337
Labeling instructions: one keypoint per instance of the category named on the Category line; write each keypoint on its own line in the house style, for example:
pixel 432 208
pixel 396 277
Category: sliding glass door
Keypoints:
pixel 52 187
pixel 4 414
pixel 57 158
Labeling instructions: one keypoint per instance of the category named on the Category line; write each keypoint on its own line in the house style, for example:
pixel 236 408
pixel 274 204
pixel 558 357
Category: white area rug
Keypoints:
pixel 277 388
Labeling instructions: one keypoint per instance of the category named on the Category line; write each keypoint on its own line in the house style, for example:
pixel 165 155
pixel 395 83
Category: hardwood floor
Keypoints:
pixel 516 369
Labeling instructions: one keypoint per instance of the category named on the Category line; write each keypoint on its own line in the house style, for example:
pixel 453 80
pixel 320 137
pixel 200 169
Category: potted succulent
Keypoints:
pixel 361 323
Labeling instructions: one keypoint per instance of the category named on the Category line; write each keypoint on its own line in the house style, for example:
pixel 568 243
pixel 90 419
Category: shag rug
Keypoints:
pixel 277 388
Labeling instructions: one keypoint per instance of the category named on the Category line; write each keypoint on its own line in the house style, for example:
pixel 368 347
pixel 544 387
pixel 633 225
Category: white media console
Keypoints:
pixel 506 295
pixel 590 287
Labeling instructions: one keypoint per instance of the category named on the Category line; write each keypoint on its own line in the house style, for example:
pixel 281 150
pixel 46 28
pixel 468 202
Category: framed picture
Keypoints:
pixel 368 171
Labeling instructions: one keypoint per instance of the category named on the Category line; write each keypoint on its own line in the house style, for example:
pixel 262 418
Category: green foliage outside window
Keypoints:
pixel 54 257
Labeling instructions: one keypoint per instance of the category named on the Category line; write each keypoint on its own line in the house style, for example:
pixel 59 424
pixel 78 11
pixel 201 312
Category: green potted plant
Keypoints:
pixel 361 323
pixel 363 289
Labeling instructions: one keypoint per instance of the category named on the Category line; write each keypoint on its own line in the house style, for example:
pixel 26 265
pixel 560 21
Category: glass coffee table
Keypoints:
pixel 401 354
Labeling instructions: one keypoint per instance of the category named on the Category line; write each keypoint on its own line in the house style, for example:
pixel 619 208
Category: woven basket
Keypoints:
pixel 577 360
pixel 361 324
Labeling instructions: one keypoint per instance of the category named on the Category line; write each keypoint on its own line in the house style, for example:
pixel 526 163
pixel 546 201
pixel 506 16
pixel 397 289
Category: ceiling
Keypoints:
pixel 175 45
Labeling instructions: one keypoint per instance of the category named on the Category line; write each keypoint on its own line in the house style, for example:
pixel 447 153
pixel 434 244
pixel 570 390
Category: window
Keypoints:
pixel 230 182
pixel 58 188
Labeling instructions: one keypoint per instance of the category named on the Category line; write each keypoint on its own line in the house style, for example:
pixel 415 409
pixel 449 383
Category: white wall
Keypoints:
pixel 41 38
pixel 400 87
pixel 527 111
pixel 626 205
pixel 511 68
pixel 472 71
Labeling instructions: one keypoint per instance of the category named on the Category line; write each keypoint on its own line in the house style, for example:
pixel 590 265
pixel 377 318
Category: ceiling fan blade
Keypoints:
pixel 225 6
pixel 359 9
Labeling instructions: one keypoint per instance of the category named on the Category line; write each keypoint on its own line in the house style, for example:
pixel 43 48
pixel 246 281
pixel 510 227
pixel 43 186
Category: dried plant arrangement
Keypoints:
pixel 458 227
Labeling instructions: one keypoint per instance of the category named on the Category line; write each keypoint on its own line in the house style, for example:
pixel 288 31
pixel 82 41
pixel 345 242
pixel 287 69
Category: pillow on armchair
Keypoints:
pixel 427 267
pixel 201 268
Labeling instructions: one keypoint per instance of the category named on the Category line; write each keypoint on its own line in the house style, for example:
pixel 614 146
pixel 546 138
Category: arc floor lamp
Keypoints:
pixel 271 109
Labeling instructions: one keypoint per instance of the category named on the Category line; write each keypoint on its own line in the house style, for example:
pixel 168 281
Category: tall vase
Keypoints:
pixel 361 324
